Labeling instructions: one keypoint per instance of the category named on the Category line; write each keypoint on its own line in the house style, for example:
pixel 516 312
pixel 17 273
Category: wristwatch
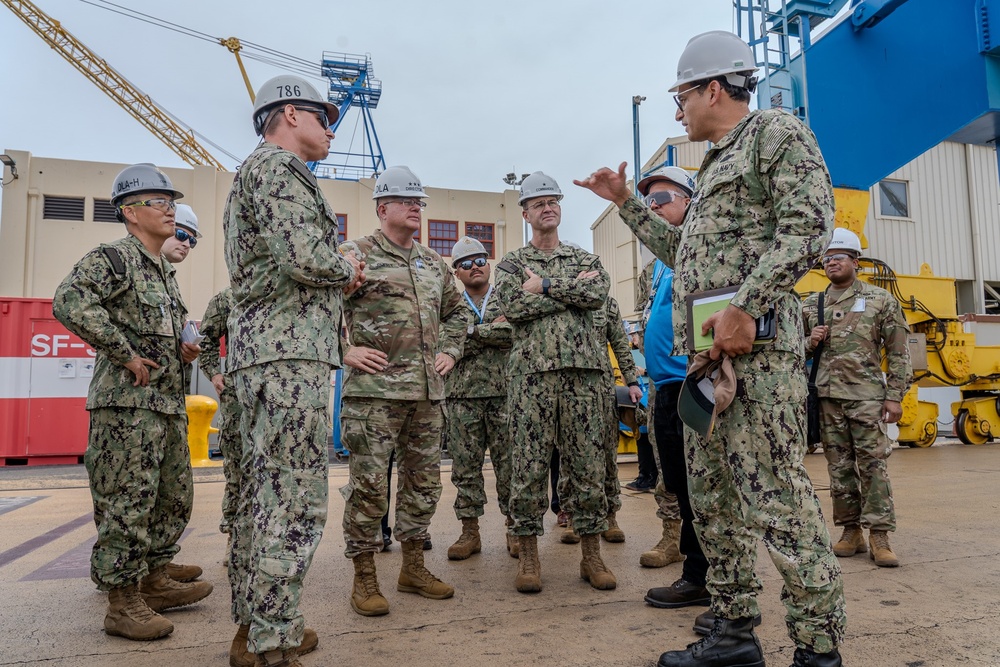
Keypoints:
pixel 546 283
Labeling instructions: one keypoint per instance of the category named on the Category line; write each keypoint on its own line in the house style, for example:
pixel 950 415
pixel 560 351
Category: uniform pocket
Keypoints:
pixel 154 314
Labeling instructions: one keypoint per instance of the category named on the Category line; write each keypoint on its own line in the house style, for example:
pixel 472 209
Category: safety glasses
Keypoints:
pixel 467 264
pixel 660 198
pixel 182 236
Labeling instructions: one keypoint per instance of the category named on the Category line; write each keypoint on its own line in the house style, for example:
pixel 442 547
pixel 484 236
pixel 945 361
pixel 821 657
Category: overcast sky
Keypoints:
pixel 471 90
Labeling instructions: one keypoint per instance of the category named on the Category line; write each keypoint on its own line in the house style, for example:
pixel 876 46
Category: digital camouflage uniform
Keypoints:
pixel 214 328
pixel 865 320
pixel 287 280
pixel 477 411
pixel 137 455
pixel 555 393
pixel 410 309
pixel 762 215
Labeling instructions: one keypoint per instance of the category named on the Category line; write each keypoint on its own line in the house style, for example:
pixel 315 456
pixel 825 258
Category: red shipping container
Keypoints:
pixel 45 372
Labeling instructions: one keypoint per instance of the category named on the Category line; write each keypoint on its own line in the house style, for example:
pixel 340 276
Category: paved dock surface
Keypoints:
pixel 942 607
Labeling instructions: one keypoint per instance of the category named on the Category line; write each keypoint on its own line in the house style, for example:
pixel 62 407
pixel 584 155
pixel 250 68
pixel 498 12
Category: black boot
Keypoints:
pixel 732 643
pixel 806 658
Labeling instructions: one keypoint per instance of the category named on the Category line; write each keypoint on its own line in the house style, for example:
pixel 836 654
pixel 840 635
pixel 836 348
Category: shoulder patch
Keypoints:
pixel 299 168
pixel 774 139
pixel 508 266
pixel 115 259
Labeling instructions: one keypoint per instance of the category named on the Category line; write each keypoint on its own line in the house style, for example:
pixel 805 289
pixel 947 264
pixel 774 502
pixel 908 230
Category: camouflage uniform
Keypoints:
pixel 137 455
pixel 214 327
pixel 760 218
pixel 477 412
pixel 852 390
pixel 410 309
pixel 555 397
pixel 287 277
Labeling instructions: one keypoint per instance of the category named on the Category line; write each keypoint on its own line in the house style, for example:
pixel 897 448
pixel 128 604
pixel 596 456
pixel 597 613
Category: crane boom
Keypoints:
pixel 182 141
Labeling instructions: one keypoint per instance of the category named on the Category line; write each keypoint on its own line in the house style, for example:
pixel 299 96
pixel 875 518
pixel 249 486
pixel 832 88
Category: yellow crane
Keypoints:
pixel 182 141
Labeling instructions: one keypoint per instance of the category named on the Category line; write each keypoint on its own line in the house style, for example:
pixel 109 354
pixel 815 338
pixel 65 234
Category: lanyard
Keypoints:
pixel 479 313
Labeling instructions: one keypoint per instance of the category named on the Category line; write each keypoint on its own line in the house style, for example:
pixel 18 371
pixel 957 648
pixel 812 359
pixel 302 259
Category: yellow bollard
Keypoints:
pixel 200 410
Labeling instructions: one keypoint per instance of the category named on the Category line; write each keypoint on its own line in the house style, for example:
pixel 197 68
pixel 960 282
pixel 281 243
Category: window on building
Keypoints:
pixel 482 232
pixel 341 227
pixel 104 211
pixel 416 236
pixel 894 199
pixel 62 208
pixel 441 236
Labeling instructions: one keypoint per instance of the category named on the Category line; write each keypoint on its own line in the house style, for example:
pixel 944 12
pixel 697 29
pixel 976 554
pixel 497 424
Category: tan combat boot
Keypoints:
pixel 366 598
pixel 240 655
pixel 529 570
pixel 468 542
pixel 161 592
pixel 415 578
pixel 667 550
pixel 513 544
pixel 130 617
pixel 569 535
pixel 183 573
pixel 852 541
pixel 613 533
pixel 881 552
pixel 279 658
pixel 592 568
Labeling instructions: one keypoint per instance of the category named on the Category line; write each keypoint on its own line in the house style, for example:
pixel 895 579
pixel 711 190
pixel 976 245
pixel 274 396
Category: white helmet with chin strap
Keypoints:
pixel 184 217
pixel 539 184
pixel 398 182
pixel 845 239
pixel 717 53
pixel 675 175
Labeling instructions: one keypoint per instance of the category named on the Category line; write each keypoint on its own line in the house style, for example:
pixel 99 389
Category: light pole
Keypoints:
pixel 636 101
pixel 513 181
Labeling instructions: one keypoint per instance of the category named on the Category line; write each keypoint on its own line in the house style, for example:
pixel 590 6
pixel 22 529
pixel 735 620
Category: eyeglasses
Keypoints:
pixel 542 205
pixel 660 198
pixel 466 264
pixel 324 120
pixel 160 204
pixel 839 257
pixel 410 203
pixel 682 101
pixel 183 235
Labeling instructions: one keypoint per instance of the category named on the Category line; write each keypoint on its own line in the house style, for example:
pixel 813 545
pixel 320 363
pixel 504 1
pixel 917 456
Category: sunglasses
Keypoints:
pixel 466 264
pixel 182 236
pixel 660 198
pixel 324 120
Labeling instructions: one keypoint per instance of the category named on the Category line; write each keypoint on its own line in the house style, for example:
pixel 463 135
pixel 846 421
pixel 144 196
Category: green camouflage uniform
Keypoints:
pixel 477 411
pixel 137 455
pixel 287 279
pixel 213 328
pixel 865 320
pixel 555 396
pixel 410 309
pixel 762 215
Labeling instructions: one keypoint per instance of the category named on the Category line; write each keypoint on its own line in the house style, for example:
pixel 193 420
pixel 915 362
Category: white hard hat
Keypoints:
pixel 288 89
pixel 717 53
pixel 184 217
pixel 138 179
pixel 539 185
pixel 398 182
pixel 465 248
pixel 845 239
pixel 675 175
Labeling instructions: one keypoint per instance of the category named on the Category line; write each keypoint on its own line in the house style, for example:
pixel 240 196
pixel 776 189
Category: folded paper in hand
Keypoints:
pixel 191 334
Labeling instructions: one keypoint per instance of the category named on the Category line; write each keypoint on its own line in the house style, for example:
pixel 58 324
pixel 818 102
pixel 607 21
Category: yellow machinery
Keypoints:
pixel 182 141
pixel 943 345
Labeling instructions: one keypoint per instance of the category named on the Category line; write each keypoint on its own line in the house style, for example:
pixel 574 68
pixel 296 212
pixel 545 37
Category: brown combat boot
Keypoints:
pixel 881 552
pixel 468 542
pixel 613 533
pixel 161 592
pixel 240 655
pixel 852 541
pixel 592 568
pixel 279 658
pixel 130 617
pixel 183 573
pixel 415 578
pixel 569 535
pixel 667 550
pixel 513 544
pixel 366 598
pixel 529 569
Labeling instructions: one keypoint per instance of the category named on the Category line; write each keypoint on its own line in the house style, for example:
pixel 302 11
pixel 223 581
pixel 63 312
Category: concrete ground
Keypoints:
pixel 940 608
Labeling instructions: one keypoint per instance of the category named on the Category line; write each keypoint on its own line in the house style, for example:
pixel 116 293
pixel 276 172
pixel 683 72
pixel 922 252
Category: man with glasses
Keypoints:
pixel 549 292
pixel 288 283
pixel 758 221
pixel 123 300
pixel 477 396
pixel 863 325
pixel 405 330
